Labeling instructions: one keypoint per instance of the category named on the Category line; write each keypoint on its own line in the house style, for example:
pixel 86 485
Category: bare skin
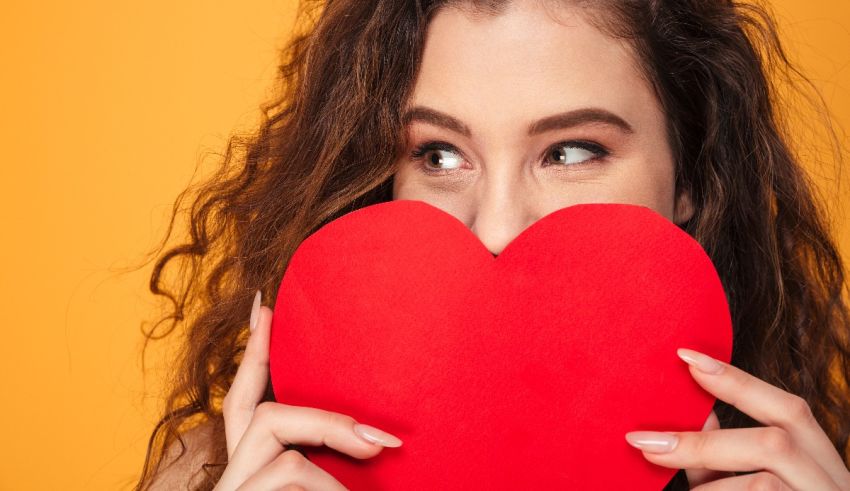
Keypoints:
pixel 498 76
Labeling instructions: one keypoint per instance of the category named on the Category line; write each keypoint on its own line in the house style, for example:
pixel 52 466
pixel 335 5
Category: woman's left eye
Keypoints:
pixel 570 153
pixel 576 152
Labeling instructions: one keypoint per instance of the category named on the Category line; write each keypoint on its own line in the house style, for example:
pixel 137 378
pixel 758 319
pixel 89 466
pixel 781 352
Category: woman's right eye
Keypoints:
pixel 436 158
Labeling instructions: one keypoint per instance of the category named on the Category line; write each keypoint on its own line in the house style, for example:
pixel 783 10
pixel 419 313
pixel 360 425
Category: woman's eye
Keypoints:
pixel 437 156
pixel 575 153
pixel 440 157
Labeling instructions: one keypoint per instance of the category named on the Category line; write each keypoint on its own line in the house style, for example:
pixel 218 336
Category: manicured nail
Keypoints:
pixel 374 435
pixel 255 310
pixel 652 441
pixel 704 363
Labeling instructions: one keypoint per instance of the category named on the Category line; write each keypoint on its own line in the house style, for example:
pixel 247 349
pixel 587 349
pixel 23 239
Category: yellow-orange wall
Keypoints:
pixel 105 109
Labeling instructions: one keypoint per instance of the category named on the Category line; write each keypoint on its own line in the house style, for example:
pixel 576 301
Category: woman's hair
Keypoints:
pixel 329 139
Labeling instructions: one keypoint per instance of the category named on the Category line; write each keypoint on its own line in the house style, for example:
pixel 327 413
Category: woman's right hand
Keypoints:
pixel 257 432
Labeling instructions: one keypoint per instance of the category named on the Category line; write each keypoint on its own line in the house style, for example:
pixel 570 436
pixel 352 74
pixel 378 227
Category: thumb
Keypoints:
pixel 701 476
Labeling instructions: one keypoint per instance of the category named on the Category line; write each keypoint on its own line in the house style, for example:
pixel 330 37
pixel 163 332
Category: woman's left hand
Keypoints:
pixel 790 452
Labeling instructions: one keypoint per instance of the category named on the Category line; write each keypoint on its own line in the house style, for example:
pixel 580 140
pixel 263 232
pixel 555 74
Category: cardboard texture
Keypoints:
pixel 523 370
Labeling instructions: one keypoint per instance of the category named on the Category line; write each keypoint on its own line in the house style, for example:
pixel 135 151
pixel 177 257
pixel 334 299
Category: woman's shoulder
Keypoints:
pixel 181 472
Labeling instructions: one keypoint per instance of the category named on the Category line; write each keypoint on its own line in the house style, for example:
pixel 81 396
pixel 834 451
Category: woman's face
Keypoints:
pixel 520 115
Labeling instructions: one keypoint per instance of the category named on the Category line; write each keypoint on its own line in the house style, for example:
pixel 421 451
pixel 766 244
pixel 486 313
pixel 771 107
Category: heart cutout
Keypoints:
pixel 522 370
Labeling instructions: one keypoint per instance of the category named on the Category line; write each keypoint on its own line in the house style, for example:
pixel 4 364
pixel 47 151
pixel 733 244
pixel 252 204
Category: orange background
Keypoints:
pixel 106 109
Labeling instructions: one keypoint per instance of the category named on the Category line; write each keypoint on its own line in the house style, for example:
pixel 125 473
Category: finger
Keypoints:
pixel 739 449
pixel 275 425
pixel 769 405
pixel 700 476
pixel 250 382
pixel 758 480
pixel 292 470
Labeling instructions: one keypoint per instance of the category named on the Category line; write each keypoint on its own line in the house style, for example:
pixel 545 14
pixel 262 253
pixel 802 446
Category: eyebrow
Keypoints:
pixel 568 119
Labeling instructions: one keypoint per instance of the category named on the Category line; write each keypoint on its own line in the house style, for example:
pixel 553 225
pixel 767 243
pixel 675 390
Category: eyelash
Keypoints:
pixel 419 152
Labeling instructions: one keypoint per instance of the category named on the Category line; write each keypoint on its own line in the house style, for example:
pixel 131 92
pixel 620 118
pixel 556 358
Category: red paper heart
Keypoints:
pixel 523 370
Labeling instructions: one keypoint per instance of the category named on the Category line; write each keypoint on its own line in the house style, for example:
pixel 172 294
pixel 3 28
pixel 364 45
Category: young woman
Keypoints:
pixel 500 112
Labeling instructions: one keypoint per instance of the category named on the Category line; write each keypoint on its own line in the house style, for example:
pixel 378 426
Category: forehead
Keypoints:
pixel 532 58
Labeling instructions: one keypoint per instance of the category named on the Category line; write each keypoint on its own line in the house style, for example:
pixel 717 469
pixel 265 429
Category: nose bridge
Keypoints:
pixel 502 208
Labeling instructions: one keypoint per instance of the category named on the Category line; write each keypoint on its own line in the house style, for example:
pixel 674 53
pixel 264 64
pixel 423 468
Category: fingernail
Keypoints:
pixel 374 435
pixel 704 363
pixel 652 441
pixel 255 310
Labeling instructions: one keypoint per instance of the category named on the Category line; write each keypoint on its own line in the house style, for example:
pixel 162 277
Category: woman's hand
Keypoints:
pixel 791 452
pixel 256 434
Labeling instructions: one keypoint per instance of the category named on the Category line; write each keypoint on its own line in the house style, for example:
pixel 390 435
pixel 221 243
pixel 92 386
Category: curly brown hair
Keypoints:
pixel 331 134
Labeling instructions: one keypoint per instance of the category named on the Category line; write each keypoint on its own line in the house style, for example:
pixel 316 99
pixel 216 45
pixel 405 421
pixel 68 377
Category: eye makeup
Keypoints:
pixel 418 155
